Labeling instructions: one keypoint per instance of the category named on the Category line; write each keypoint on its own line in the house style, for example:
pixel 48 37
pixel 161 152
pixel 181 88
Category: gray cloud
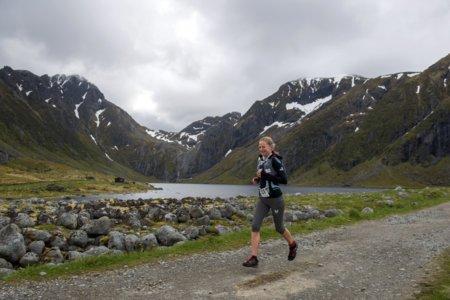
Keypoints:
pixel 170 62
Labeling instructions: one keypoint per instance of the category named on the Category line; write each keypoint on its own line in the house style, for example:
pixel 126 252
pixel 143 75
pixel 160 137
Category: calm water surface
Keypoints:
pixel 181 190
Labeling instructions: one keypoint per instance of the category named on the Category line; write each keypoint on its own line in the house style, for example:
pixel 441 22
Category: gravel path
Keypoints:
pixel 382 259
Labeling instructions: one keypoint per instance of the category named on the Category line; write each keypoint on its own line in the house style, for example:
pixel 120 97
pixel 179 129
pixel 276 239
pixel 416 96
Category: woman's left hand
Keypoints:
pixel 258 173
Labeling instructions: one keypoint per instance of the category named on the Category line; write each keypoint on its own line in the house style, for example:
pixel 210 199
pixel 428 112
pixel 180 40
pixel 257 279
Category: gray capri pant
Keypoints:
pixel 276 205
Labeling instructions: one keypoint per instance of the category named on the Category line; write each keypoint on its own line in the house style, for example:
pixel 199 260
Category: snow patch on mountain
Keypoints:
pixel 93 138
pixel 310 107
pixel 276 123
pixel 159 135
pixel 107 156
pixel 412 74
pixel 97 115
pixel 76 109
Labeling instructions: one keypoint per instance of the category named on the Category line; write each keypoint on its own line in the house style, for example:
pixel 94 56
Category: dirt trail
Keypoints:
pixel 382 259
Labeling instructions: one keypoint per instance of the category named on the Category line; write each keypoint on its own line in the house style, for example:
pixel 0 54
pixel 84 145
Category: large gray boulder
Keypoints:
pixel 23 220
pixel 170 218
pixel 37 235
pixel 30 258
pixel 132 242
pixel 68 220
pixel 149 241
pixel 5 272
pixel 191 233
pixel 44 218
pixel 4 220
pixel 100 226
pixel 289 216
pixel 301 215
pixel 53 255
pixel 74 255
pixel 5 264
pixel 116 240
pixel 214 213
pixel 59 241
pixel 156 213
pixel 196 212
pixel 78 238
pixel 96 250
pixel 36 247
pixel 203 220
pixel 167 236
pixel 83 218
pixel 182 214
pixel 134 222
pixel 227 211
pixel 222 229
pixel 12 243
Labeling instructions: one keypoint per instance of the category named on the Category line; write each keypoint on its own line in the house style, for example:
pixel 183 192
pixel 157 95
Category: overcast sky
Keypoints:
pixel 168 63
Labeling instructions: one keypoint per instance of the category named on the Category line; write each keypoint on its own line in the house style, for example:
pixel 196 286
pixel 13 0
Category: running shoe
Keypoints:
pixel 251 262
pixel 292 251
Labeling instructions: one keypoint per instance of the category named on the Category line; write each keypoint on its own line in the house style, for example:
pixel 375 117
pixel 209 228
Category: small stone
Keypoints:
pixel 332 212
pixel 367 211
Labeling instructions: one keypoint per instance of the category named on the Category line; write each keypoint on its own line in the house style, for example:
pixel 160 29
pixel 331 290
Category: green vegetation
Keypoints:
pixel 438 285
pixel 350 204
pixel 22 178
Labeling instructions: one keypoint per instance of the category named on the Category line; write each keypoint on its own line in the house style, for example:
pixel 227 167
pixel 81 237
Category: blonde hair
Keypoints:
pixel 269 141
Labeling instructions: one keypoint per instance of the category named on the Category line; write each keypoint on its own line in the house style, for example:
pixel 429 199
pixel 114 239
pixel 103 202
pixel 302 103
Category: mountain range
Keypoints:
pixel 346 130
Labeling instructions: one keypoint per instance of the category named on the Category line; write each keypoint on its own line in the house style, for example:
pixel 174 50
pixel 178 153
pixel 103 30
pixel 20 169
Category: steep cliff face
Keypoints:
pixel 287 106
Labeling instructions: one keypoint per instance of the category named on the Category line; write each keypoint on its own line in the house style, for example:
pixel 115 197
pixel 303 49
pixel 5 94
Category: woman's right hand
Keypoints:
pixel 255 180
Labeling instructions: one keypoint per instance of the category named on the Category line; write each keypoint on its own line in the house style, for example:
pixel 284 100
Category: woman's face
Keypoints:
pixel 264 148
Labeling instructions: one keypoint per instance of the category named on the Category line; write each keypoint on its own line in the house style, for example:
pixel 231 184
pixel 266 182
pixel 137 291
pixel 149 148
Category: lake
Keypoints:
pixel 182 190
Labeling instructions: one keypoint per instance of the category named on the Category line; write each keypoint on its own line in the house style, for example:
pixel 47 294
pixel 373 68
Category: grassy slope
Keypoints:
pixel 27 177
pixel 351 204
pixel 438 285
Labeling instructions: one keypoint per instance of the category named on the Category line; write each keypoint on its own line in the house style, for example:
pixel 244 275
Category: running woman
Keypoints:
pixel 270 173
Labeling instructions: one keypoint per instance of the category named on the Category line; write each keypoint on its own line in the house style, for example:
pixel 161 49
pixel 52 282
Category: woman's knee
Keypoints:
pixel 256 227
pixel 280 229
